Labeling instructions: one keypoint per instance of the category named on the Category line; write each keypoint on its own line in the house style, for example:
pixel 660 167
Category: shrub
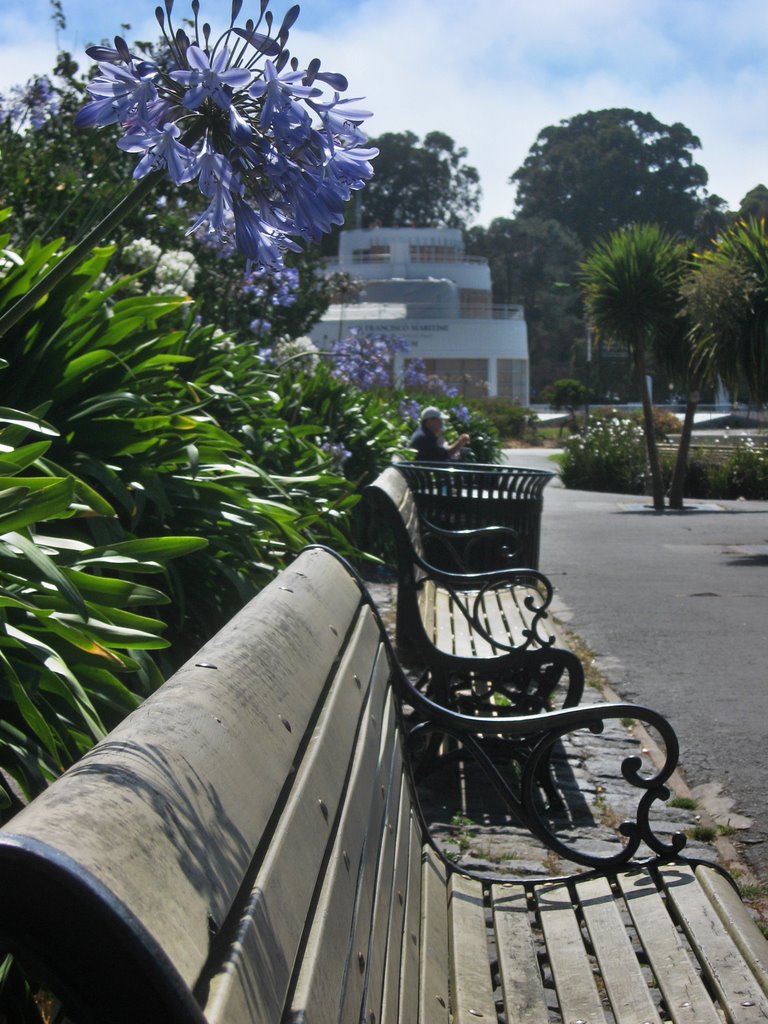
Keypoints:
pixel 608 456
pixel 508 418
pixel 748 473
pixel 664 422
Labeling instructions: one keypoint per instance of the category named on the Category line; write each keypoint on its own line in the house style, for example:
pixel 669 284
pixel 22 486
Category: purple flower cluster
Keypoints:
pixel 460 413
pixel 337 453
pixel 409 410
pixel 367 360
pixel 275 288
pixel 275 151
pixel 33 104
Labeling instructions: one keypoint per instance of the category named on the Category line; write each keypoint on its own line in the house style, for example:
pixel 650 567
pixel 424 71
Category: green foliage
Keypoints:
pixel 566 393
pixel 359 432
pixel 149 451
pixel 74 618
pixel 608 456
pixel 743 474
pixel 754 205
pixel 728 303
pixel 49 168
pixel 484 444
pixel 602 170
pixel 509 419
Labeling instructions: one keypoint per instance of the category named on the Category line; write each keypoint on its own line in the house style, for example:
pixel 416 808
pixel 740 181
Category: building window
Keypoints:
pixel 512 379
pixel 434 254
pixel 373 254
pixel 475 302
pixel 468 376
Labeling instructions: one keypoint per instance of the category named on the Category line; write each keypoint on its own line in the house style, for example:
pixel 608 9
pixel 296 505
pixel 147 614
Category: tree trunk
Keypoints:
pixel 676 490
pixel 650 431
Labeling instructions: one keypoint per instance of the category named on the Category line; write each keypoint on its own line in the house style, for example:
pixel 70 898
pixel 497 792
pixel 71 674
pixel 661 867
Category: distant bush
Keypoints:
pixel 509 418
pixel 744 474
pixel 608 456
pixel 664 422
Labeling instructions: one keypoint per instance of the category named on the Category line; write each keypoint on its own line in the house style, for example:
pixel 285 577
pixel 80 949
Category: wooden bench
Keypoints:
pixel 248 847
pixel 479 635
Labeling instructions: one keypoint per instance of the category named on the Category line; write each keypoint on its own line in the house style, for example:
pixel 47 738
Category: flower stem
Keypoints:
pixel 78 253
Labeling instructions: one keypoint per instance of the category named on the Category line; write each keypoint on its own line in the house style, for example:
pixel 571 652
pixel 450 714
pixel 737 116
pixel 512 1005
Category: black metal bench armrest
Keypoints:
pixel 536 735
pixel 462 546
pixel 472 580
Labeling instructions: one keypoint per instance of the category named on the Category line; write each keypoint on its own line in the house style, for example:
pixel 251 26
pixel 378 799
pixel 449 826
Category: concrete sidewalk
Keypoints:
pixel 675 608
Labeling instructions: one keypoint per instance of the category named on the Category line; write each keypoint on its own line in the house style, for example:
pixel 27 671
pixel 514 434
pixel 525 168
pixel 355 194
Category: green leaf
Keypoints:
pixel 28 710
pixel 27 420
pixel 151 548
pixel 50 502
pixel 17 461
pixel 50 571
pixel 113 592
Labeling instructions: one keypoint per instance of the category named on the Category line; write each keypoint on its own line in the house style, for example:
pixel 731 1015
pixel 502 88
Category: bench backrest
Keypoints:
pixel 392 499
pixel 206 861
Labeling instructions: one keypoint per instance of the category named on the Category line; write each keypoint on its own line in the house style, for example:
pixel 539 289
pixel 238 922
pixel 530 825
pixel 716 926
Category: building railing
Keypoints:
pixel 354 259
pixel 424 311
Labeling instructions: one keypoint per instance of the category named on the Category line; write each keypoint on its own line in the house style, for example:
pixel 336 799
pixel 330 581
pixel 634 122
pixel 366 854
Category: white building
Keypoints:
pixel 419 284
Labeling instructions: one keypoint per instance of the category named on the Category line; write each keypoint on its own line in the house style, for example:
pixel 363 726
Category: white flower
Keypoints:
pixel 142 253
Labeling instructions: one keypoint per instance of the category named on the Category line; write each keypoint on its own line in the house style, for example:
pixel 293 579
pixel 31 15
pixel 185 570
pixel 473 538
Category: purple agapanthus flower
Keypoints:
pixel 210 78
pixel 274 149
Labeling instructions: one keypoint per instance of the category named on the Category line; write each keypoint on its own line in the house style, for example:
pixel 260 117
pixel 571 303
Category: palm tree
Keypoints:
pixel 727 300
pixel 630 284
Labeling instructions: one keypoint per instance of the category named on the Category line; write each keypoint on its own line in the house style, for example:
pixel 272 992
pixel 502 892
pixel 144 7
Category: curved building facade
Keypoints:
pixel 419 284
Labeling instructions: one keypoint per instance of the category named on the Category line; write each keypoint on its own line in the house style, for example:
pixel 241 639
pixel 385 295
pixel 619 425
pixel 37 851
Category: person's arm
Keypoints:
pixel 458 444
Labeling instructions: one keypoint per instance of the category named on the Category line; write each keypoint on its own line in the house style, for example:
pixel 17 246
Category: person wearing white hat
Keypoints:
pixel 429 442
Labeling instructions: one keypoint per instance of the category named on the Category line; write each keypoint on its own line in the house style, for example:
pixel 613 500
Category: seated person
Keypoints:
pixel 429 442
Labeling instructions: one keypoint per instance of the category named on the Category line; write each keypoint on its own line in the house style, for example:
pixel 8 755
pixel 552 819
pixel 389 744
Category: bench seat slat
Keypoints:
pixel 395 927
pixel 284 887
pixel 471 988
pixel 521 983
pixel 744 1000
pixel 434 989
pixel 494 619
pixel 686 999
pixel 408 1003
pixel 320 983
pixel 377 890
pixel 737 921
pixel 444 637
pixel 625 985
pixel 571 969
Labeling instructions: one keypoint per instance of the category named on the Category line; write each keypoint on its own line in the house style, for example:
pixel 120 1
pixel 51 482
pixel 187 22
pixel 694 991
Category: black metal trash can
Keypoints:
pixel 473 495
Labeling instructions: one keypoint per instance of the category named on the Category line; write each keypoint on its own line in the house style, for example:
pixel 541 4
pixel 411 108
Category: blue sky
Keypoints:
pixel 493 73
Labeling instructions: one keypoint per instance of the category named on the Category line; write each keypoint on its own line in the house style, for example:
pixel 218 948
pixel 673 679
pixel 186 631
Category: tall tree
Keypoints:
pixel 603 170
pixel 534 263
pixel 631 283
pixel 420 183
pixel 754 205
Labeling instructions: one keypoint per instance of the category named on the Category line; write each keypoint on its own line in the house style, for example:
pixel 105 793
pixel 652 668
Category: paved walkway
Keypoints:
pixel 675 607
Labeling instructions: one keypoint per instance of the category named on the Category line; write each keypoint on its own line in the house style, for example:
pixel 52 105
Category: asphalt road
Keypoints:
pixel 675 606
